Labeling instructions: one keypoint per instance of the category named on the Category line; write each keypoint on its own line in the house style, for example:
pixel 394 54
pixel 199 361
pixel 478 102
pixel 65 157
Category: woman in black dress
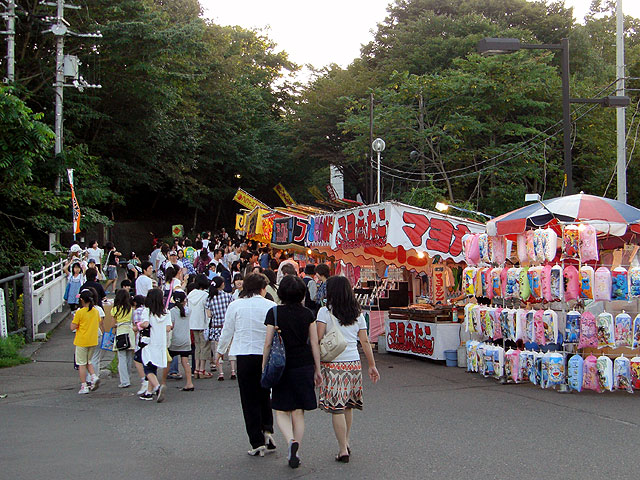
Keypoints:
pixel 295 392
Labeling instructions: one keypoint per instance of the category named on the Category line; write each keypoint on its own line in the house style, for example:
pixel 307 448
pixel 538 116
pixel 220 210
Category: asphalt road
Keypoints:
pixel 421 421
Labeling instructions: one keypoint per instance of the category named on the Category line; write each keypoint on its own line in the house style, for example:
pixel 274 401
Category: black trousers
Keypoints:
pixel 256 401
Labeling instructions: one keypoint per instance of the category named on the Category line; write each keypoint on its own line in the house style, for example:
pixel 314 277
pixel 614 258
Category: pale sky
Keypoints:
pixel 328 31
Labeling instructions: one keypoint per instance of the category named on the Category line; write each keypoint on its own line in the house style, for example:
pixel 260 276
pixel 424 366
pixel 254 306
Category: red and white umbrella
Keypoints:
pixel 606 215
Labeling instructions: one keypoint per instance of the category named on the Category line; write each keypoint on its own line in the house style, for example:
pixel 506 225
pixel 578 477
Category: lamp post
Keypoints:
pixel 496 46
pixel 378 146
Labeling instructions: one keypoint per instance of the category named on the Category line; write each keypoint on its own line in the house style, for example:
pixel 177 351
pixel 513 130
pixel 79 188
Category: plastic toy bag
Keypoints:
pixel 571 283
pixel 619 284
pixel 602 284
pixel 539 244
pixel 605 373
pixel 525 289
pixel 468 318
pixel 571 242
pixel 634 282
pixel 557 283
pixel 572 329
pixel 535 282
pixel 588 331
pixel 483 247
pixel 498 250
pixel 574 373
pixel 535 372
pixel 476 313
pixel 588 243
pixel 635 372
pixel 487 287
pixel 553 372
pixel 550 324
pixel 531 251
pixel 472 358
pixel 504 323
pixel 530 328
pixel 550 244
pixel 477 283
pixel 497 325
pixel 521 243
pixel 586 282
pixel 498 361
pixel 488 361
pixel 488 323
pixel 538 323
pixel 521 320
pixel 496 283
pixel 510 319
pixel 525 359
pixel 472 249
pixel 512 365
pixel 468 280
pixel 623 332
pixel 545 283
pixel 512 289
pixel 622 374
pixel 636 332
pixel 606 330
pixel 590 374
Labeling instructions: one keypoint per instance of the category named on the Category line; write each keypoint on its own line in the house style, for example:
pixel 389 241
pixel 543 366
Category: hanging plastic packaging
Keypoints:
pixel 498 250
pixel 497 325
pixel 588 331
pixel 535 282
pixel 623 332
pixel 483 246
pixel 605 373
pixel 535 373
pixel 636 332
pixel 472 359
pixel 574 373
pixel 468 318
pixel 521 320
pixel 606 330
pixel 510 315
pixel 477 283
pixel 471 249
pixel 557 283
pixel 488 323
pixel 550 244
pixel 550 324
pixel 521 242
pixel 476 313
pixel 539 244
pixel 619 284
pixel 531 250
pixel 512 365
pixel 504 323
pixel 634 282
pixel 512 289
pixel 487 288
pixel 572 329
pixel 553 373
pixel 530 326
pixel 590 374
pixel 635 372
pixel 602 284
pixel 622 374
pixel 525 360
pixel 586 282
pixel 525 289
pixel 571 283
pixel 571 241
pixel 588 243
pixel 538 325
pixel 498 361
pixel 545 283
pixel 496 283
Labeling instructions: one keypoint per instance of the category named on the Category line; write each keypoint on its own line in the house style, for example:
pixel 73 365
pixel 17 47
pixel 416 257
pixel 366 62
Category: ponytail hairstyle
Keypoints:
pixel 86 297
pixel 214 288
pixel 122 303
pixel 179 298
pixel 155 302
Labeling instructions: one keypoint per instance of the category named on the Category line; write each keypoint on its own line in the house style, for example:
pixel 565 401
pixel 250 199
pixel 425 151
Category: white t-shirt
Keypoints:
pixel 156 350
pixel 350 334
pixel 95 254
pixel 205 243
pixel 143 285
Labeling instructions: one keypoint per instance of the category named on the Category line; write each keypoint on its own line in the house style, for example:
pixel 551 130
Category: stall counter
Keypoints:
pixel 424 339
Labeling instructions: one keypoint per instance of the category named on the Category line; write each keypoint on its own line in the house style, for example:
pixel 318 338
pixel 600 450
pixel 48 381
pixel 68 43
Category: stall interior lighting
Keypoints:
pixel 442 207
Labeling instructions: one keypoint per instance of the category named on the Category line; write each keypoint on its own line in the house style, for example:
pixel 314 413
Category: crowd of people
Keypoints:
pixel 195 304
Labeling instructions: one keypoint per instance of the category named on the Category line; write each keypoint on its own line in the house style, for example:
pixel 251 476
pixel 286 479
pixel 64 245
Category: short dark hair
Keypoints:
pixel 310 269
pixel 271 275
pixel 91 274
pixel 138 301
pixel 126 283
pixel 291 290
pixel 145 265
pixel 323 270
pixel 254 284
pixel 202 282
pixel 288 269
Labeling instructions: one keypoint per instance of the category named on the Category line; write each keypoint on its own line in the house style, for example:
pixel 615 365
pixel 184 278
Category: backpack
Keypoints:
pixel 623 334
pixel 572 329
pixel 588 243
pixel 308 302
pixel 588 333
pixel 620 284
pixel 586 282
pixel 574 373
pixel 590 374
pixel 605 373
pixel 606 330
pixel 602 284
pixel 571 241
pixel 571 283
pixel 622 374
pixel 201 266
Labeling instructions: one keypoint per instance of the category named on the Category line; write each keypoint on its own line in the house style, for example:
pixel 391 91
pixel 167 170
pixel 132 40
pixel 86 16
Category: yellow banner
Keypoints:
pixel 247 200
pixel 284 195
pixel 317 193
pixel 240 221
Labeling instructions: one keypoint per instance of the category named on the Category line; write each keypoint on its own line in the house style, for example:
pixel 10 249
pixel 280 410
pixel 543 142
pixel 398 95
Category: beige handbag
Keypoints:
pixel 333 342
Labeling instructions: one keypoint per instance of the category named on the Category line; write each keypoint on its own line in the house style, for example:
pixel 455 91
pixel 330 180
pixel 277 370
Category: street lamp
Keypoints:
pixel 443 207
pixel 378 146
pixel 496 46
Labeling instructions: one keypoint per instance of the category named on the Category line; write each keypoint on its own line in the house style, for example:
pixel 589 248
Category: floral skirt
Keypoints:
pixel 341 386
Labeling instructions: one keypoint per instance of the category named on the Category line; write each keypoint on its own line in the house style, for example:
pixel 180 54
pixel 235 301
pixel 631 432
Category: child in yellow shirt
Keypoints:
pixel 85 324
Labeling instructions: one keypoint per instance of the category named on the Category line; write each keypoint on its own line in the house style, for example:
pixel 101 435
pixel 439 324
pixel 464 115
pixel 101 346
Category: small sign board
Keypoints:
pixel 3 316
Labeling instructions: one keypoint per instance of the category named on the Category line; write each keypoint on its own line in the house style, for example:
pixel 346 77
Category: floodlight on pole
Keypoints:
pixel 378 146
pixel 443 207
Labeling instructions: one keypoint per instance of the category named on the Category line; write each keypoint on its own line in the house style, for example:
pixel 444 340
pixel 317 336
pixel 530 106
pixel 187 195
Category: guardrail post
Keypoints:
pixel 27 299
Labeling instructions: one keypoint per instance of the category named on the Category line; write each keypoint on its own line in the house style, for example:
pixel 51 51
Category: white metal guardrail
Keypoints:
pixel 46 289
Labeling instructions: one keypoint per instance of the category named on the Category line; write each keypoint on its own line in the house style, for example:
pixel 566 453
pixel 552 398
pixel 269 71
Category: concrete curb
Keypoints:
pixel 31 348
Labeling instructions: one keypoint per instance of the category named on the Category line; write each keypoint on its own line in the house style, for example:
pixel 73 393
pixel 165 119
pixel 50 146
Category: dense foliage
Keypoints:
pixel 190 110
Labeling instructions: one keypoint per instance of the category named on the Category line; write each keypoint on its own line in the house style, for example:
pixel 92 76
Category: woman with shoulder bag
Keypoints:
pixel 341 389
pixel 295 392
pixel 111 266
pixel 125 337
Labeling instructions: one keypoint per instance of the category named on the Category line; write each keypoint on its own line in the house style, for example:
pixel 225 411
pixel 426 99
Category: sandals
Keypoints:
pixel 221 377
pixel 185 389
pixel 205 374
pixel 174 376
pixel 342 458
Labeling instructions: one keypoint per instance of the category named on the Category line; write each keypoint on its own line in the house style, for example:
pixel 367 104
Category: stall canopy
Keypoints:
pixel 606 215
pixel 390 232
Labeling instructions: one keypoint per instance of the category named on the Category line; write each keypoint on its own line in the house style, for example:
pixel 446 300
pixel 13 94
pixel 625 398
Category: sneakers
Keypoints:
pixel 268 440
pixel 160 394
pixel 84 389
pixel 95 382
pixel 143 387
pixel 257 452
pixel 124 385
pixel 146 396
pixel 294 460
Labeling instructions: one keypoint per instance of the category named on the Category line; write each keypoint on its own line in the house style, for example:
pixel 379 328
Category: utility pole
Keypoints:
pixel 10 17
pixel 620 112
pixel 371 148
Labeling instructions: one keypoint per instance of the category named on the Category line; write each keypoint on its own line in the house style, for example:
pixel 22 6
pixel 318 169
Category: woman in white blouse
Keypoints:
pixel 244 324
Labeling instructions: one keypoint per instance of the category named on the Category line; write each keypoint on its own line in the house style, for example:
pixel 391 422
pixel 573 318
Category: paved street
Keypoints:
pixel 421 421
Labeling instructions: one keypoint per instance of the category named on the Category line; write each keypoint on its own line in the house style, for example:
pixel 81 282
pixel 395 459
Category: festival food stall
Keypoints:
pixel 387 237
pixel 562 309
